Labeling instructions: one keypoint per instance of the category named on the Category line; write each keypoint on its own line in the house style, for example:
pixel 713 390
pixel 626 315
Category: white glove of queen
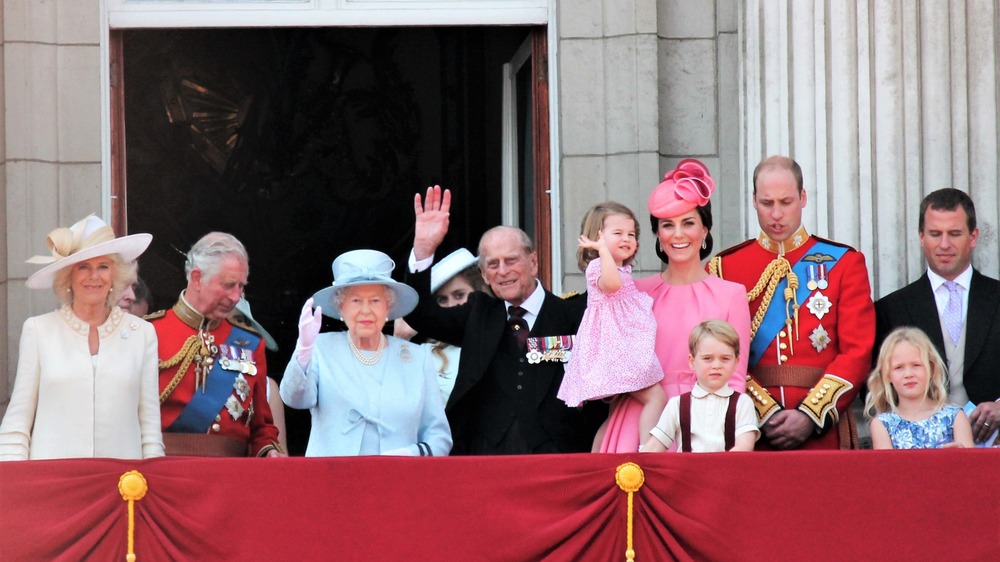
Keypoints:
pixel 310 322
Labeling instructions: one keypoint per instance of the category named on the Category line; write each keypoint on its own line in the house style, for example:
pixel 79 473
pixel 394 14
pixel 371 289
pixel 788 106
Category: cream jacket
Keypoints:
pixel 67 404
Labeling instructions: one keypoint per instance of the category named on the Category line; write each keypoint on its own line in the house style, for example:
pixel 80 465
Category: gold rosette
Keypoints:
pixel 132 486
pixel 629 478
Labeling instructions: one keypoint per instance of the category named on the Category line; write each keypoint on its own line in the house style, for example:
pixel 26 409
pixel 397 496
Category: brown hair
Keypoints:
pixel 705 214
pixel 780 162
pixel 948 199
pixel 593 222
pixel 716 329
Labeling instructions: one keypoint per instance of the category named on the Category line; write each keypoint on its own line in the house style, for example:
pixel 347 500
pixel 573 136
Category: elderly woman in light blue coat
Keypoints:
pixel 369 394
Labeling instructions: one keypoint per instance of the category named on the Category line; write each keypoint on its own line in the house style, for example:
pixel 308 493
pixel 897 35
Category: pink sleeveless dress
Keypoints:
pixel 613 349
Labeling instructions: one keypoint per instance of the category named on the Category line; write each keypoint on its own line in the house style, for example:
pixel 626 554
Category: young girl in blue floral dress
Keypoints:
pixel 907 395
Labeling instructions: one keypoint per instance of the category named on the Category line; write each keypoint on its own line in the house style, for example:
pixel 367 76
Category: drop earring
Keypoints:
pixel 704 244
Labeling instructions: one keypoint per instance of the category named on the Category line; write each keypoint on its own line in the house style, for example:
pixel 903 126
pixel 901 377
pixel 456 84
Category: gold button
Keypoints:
pixel 814 401
pixel 784 358
pixel 218 418
pixel 783 346
pixel 215 427
pixel 781 334
pixel 826 385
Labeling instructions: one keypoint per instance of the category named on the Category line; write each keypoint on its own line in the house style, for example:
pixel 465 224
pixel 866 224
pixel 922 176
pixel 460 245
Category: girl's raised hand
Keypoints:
pixel 589 244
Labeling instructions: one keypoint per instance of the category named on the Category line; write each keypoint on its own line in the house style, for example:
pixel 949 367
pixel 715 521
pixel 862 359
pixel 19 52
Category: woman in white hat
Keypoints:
pixel 369 394
pixel 453 279
pixel 86 381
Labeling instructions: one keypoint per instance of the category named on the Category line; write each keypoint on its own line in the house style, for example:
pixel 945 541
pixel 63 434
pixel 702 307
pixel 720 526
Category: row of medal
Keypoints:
pixel 240 360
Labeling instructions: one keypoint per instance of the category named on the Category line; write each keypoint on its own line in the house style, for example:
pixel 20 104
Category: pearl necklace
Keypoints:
pixel 367 360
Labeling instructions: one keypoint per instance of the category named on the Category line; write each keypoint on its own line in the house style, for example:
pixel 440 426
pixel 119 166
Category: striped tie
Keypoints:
pixel 518 325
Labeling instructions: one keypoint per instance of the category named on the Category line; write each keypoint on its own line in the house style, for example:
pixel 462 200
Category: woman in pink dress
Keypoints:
pixel 684 294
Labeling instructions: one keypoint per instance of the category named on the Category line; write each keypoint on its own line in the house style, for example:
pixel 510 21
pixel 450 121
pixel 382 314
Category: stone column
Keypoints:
pixel 881 102
pixel 608 119
pixel 52 150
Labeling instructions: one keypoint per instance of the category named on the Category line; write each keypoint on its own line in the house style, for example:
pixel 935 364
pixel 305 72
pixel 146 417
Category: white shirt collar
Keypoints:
pixel 699 392
pixel 964 279
pixel 533 304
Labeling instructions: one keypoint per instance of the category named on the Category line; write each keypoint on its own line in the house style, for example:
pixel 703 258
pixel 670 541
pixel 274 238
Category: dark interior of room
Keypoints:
pixel 305 143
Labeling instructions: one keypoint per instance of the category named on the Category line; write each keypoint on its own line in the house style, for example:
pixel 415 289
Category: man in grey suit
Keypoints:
pixel 955 305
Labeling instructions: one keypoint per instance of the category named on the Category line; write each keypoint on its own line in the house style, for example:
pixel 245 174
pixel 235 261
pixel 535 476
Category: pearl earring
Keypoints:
pixel 704 244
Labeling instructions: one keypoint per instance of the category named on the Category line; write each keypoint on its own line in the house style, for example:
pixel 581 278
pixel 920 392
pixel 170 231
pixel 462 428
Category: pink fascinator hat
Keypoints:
pixel 687 186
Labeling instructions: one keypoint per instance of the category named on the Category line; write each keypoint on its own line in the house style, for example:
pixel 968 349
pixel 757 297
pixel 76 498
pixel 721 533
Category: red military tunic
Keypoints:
pixel 819 368
pixel 250 421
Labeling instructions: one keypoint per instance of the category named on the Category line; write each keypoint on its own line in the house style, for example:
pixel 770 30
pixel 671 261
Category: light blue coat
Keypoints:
pixel 349 405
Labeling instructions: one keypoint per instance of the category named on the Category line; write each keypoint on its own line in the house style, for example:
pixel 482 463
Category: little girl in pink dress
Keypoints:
pixel 613 349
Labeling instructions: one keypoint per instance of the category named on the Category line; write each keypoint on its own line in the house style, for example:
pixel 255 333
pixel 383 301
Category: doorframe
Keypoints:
pixel 545 116
pixel 534 50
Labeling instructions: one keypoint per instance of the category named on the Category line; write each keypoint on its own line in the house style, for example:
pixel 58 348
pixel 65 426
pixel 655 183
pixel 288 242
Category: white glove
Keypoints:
pixel 310 322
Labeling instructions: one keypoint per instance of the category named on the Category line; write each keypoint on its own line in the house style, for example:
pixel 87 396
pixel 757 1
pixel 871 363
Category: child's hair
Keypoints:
pixel 717 329
pixel 882 397
pixel 592 224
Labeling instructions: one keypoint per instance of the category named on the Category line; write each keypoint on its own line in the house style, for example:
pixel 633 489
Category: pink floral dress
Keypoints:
pixel 613 352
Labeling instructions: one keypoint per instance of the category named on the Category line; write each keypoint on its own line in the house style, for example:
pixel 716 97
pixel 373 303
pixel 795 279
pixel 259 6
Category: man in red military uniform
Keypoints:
pixel 213 372
pixel 813 320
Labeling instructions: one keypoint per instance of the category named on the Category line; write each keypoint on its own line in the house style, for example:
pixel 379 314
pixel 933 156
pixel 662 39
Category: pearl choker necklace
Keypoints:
pixel 364 359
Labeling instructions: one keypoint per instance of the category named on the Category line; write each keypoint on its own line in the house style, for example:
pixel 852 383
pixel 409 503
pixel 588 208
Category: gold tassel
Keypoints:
pixel 132 487
pixel 629 478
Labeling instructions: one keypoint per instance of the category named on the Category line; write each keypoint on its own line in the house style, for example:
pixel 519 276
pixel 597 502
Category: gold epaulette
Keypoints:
pixel 822 399
pixel 715 267
pixel 763 402
pixel 155 315
pixel 570 295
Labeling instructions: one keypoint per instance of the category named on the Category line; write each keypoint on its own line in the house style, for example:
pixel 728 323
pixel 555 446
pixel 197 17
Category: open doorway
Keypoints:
pixel 305 143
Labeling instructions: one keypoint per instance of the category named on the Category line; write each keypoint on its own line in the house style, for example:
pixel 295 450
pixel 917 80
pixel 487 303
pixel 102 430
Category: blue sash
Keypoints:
pixel 774 319
pixel 200 412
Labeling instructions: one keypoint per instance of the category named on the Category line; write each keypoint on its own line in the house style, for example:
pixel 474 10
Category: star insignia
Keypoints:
pixel 242 387
pixel 820 338
pixel 234 407
pixel 819 305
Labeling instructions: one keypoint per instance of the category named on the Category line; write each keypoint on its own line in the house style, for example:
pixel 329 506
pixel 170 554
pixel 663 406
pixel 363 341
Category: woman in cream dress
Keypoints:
pixel 86 381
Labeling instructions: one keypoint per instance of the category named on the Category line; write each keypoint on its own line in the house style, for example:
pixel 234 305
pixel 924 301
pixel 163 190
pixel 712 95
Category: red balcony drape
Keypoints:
pixel 898 505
